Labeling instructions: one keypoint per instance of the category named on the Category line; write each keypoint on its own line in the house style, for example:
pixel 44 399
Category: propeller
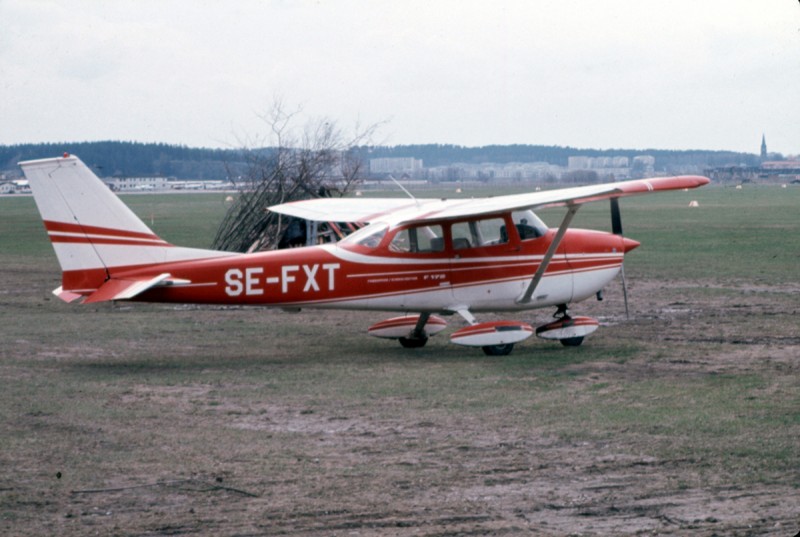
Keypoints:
pixel 616 228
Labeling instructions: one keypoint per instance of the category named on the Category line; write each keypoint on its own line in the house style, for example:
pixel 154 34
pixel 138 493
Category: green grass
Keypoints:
pixel 115 395
pixel 728 422
pixel 748 234
pixel 734 234
pixel 182 219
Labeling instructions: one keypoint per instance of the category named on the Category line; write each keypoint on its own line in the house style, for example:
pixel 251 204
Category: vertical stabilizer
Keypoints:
pixel 94 234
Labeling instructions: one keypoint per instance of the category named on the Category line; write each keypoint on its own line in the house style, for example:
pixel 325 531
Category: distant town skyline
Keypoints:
pixel 715 75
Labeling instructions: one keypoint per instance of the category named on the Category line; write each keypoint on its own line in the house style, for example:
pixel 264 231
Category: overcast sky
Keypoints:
pixel 685 74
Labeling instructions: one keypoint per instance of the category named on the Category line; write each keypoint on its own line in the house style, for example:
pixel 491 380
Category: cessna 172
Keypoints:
pixel 423 258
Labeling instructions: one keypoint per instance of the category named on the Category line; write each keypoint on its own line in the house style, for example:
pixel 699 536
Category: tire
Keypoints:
pixel 572 341
pixel 498 350
pixel 413 343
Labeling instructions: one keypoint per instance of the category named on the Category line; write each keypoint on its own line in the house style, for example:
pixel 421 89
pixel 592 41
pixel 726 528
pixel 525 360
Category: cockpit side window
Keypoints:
pixel 491 231
pixel 418 239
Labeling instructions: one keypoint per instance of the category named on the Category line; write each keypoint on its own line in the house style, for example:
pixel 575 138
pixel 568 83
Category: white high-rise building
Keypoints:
pixel 395 165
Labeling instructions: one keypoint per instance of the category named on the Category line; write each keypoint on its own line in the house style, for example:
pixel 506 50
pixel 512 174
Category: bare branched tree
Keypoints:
pixel 321 161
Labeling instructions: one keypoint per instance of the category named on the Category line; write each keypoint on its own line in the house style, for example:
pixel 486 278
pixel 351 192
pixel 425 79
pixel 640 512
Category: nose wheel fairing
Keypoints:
pixel 569 330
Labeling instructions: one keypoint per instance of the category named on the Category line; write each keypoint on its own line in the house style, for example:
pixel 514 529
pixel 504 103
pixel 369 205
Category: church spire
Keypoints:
pixel 763 147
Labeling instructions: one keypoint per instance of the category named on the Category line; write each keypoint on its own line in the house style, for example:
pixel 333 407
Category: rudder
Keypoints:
pixel 94 234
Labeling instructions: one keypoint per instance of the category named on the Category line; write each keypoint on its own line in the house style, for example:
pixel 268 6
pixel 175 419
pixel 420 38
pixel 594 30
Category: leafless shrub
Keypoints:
pixel 319 161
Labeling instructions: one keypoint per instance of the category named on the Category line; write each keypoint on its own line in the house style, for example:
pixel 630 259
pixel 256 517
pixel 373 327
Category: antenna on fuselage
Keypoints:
pixel 410 195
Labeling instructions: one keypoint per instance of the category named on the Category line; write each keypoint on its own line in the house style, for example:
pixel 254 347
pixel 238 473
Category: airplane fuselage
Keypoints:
pixel 340 276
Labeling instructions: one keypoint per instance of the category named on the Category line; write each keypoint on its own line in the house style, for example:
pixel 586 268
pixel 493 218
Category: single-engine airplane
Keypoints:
pixel 423 258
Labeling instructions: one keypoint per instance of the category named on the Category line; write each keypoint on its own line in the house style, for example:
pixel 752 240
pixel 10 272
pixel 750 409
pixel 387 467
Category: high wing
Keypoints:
pixel 406 211
pixel 364 210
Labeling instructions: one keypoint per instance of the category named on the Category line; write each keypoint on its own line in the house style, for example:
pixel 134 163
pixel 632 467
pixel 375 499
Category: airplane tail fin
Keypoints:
pixel 94 234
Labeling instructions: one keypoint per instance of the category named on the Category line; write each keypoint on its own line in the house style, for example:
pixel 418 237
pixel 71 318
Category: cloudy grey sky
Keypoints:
pixel 682 74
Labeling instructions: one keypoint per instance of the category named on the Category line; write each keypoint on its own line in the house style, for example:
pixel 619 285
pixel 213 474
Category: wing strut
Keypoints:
pixel 525 298
pixel 419 328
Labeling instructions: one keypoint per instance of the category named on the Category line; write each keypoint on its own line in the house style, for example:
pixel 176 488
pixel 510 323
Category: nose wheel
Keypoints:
pixel 498 350
pixel 572 341
pixel 413 342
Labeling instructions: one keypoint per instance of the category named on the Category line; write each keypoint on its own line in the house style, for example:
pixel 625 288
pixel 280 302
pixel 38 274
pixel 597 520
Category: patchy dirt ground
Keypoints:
pixel 105 437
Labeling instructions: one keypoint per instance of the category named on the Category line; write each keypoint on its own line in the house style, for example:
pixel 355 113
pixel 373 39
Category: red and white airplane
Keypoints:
pixel 423 258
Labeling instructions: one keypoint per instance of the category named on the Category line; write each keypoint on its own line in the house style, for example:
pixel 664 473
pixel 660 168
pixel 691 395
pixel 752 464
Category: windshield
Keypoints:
pixel 528 224
pixel 369 236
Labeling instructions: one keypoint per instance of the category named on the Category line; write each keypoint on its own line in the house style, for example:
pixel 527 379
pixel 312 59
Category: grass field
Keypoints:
pixel 162 420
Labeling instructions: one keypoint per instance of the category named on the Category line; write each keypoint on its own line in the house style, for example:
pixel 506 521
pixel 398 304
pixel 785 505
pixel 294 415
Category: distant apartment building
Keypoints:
pixel 616 167
pixel 595 163
pixel 489 171
pixel 643 166
pixel 134 184
pixel 409 165
pixel 527 170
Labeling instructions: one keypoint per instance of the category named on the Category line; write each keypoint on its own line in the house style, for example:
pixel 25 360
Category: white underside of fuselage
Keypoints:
pixel 553 290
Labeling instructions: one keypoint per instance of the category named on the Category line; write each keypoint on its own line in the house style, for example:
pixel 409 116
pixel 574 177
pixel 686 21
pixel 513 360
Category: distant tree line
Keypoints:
pixel 140 159
pixel 132 159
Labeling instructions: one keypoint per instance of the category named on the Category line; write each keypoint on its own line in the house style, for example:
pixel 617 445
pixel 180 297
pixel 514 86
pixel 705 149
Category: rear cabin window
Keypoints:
pixel 418 240
pixel 485 232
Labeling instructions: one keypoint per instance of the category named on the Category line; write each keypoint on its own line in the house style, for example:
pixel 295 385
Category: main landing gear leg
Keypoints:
pixel 417 338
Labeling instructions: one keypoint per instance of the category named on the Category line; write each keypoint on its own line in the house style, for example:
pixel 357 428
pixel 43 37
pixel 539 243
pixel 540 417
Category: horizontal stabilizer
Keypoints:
pixel 128 288
pixel 66 296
